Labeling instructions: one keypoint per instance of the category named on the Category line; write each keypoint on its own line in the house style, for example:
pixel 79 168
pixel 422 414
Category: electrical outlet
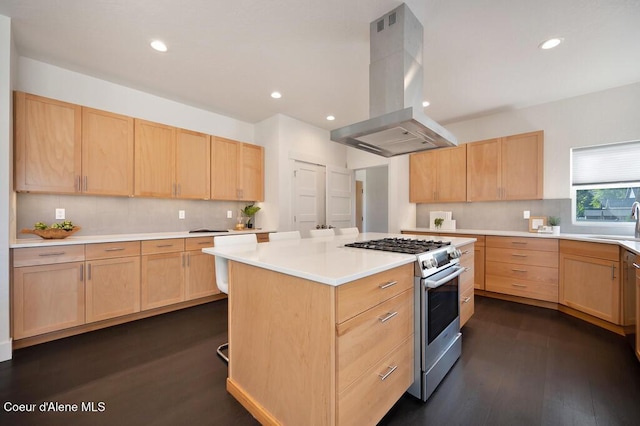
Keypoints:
pixel 229 214
pixel 526 214
pixel 181 214
pixel 60 214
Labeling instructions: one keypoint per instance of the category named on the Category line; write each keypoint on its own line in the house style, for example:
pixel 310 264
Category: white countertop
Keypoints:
pixel 325 260
pixel 36 241
pixel 628 243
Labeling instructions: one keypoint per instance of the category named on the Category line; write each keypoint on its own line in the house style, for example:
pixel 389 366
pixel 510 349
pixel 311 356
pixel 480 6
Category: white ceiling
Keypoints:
pixel 480 56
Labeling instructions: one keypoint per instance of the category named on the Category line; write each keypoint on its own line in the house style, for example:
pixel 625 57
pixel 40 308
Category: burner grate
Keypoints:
pixel 400 245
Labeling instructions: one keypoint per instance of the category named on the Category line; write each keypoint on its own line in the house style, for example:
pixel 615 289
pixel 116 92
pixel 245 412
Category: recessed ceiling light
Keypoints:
pixel 330 117
pixel 276 95
pixel 550 44
pixel 425 104
pixel 159 46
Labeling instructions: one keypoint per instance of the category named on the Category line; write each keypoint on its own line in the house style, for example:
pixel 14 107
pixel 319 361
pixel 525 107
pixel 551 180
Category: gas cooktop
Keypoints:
pixel 401 245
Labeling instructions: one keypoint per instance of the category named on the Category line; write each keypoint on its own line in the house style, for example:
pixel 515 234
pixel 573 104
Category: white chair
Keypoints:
pixel 329 232
pixel 288 235
pixel 347 231
pixel 222 270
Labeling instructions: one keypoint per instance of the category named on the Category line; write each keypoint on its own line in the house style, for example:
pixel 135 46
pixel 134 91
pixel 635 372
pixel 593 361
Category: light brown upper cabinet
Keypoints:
pixel 438 176
pixel 107 153
pixel 507 168
pixel 155 153
pixel 237 170
pixel 47 145
pixel 193 165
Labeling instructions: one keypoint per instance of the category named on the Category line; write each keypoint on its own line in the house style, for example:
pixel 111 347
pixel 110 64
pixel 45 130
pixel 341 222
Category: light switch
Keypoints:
pixel 60 214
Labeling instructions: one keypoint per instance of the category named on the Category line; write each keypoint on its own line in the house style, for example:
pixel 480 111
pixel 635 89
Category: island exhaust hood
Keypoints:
pixel 398 125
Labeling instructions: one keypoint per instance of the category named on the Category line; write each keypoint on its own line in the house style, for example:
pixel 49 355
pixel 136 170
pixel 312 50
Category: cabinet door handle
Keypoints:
pixel 388 284
pixel 519 285
pixel 114 249
pixel 466 300
pixel 85 182
pixel 188 256
pixel 81 272
pixel 390 370
pixel 613 271
pixel 388 317
pixel 89 272
pixel 57 253
pixel 76 184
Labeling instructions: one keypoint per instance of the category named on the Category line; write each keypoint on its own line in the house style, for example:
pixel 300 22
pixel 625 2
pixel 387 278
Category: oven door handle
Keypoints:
pixel 457 270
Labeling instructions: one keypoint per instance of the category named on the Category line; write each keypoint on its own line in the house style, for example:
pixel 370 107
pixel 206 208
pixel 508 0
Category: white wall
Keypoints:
pixel 6 193
pixel 376 194
pixel 596 118
pixel 47 80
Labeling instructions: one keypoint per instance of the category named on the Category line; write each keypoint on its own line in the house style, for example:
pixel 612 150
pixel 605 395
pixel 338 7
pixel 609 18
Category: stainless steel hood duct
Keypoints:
pixel 398 125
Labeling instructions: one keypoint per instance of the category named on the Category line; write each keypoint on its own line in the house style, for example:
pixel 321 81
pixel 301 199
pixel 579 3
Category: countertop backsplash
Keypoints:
pixel 508 216
pixel 122 215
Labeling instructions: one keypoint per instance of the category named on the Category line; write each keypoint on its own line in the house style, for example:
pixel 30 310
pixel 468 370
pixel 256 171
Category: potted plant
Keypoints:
pixel 554 222
pixel 249 211
pixel 438 222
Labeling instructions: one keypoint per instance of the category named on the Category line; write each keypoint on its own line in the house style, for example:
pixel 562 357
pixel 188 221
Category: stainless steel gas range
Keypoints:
pixel 438 341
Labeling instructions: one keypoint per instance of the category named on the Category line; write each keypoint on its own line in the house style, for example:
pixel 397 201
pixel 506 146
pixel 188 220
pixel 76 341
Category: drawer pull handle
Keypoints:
pixel 387 285
pixel 635 265
pixel 524 243
pixel 519 285
pixel 164 245
pixel 114 249
pixel 465 252
pixel 466 300
pixel 518 270
pixel 202 243
pixel 467 269
pixel 57 253
pixel 390 370
pixel 388 317
pixel 518 255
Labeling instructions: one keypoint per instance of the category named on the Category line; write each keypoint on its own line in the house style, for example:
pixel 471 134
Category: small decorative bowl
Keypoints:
pixel 51 233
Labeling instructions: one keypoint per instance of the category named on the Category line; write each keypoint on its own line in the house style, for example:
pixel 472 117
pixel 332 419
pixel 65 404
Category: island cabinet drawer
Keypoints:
pixel 523 272
pixel 523 288
pixel 467 306
pixel 357 296
pixel 373 394
pixel 368 337
pixel 262 237
pixel 523 257
pixel 523 243
pixel 47 255
pixel 112 250
pixel 169 245
pixel 198 243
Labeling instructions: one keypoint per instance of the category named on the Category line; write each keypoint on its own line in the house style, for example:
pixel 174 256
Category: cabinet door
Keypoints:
pixel 47 145
pixel 591 285
pixel 451 174
pixel 483 170
pixel 112 288
pixel 225 161
pixel 107 153
pixel 522 166
pixel 155 153
pixel 252 173
pixel 162 280
pixel 422 177
pixel 200 275
pixel 47 298
pixel 193 160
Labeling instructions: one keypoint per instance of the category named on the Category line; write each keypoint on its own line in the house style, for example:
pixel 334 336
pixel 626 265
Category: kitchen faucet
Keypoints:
pixel 635 212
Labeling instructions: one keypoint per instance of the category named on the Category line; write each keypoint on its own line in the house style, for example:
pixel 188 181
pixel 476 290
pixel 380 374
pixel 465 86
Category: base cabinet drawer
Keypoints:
pixel 522 288
pixel 379 330
pixel 373 394
pixel 523 272
pixel 467 307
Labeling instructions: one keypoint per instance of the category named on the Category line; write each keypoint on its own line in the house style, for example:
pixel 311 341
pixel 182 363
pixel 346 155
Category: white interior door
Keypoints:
pixel 340 197
pixel 309 197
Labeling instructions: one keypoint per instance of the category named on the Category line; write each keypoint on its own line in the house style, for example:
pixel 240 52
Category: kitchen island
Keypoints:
pixel 307 340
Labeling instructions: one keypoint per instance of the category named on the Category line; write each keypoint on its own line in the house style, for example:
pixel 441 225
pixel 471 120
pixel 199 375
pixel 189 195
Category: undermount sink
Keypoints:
pixel 614 237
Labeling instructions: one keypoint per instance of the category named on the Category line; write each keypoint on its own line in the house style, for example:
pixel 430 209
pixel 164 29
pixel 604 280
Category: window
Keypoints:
pixel 605 182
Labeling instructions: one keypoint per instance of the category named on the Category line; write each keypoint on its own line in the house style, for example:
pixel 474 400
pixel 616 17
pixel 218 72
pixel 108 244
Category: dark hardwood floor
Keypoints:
pixel 520 365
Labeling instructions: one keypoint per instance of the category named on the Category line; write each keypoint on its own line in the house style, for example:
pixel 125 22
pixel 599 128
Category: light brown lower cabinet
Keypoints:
pixel 47 298
pixel 590 279
pixel 200 271
pixel 308 353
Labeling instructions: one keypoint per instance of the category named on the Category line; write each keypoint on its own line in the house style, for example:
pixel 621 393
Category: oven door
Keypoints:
pixel 440 314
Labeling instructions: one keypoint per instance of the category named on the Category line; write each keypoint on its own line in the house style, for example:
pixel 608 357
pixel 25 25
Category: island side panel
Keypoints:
pixel 281 346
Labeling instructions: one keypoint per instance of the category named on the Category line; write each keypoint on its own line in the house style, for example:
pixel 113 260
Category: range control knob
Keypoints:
pixel 455 253
pixel 429 263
